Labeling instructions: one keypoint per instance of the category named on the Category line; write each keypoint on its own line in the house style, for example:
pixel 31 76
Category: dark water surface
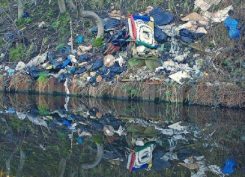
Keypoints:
pixel 46 136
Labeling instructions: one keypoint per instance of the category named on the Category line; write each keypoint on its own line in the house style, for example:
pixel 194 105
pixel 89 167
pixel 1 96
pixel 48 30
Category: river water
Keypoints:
pixel 49 136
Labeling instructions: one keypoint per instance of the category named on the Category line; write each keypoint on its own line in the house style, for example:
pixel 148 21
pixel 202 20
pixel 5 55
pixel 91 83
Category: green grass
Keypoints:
pixel 17 53
pixel 43 78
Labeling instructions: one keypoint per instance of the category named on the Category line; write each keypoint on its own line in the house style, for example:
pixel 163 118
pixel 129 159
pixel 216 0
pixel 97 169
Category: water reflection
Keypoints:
pixel 62 136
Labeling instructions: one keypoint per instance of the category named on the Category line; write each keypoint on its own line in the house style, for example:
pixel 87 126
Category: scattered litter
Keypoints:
pixel 229 167
pixel 179 77
pixel 231 25
pixel 38 60
pixel 20 66
pixel 204 5
pixel 141 157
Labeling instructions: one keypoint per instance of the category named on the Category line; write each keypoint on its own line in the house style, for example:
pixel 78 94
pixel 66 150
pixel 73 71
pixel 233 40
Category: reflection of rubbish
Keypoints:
pixel 99 155
pixel 141 157
pixel 190 164
pixel 199 164
pixel 231 25
pixel 194 17
pixel 160 17
pixel 66 86
pixel 229 166
pixel 179 76
pixel 80 140
pixel 218 16
pixel 189 36
pixel 109 130
pixel 36 120
pixel 204 5
pixel 177 126
pixel 169 156
pixel 158 162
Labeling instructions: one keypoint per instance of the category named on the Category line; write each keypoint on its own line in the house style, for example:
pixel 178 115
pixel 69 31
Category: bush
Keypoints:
pixel 17 53
pixel 43 78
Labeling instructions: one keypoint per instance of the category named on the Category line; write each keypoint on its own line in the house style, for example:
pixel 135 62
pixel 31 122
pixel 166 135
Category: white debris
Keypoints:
pixel 38 60
pixel 20 66
pixel 42 24
pixel 218 16
pixel 120 131
pixel 169 156
pixel 177 126
pixel 37 120
pixel 66 87
pixel 179 76
pixel 108 130
pixel 73 59
pixel 139 142
pixel 21 115
pixel 109 60
pixel 204 5
pixel 120 61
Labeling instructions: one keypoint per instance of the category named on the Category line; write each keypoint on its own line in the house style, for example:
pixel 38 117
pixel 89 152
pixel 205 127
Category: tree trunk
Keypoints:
pixel 123 5
pixel 62 6
pixel 20 8
pixel 99 22
pixel 71 4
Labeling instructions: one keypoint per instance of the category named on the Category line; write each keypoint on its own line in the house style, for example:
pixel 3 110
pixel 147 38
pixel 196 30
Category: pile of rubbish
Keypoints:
pixel 151 40
pixel 137 144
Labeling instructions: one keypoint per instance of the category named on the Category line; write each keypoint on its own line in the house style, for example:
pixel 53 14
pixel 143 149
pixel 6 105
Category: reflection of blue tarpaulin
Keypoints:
pixel 161 17
pixel 189 36
pixel 229 166
pixel 231 25
pixel 159 35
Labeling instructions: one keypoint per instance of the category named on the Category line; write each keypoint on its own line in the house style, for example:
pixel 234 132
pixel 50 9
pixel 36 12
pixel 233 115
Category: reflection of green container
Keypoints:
pixel 151 62
pixel 141 157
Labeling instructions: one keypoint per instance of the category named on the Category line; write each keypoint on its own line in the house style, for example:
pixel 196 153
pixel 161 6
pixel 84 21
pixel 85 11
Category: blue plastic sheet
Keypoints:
pixel 79 39
pixel 231 25
pixel 159 35
pixel 161 17
pixel 120 38
pixel 111 24
pixel 84 58
pixel 189 36
pixel 97 64
pixel 229 166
